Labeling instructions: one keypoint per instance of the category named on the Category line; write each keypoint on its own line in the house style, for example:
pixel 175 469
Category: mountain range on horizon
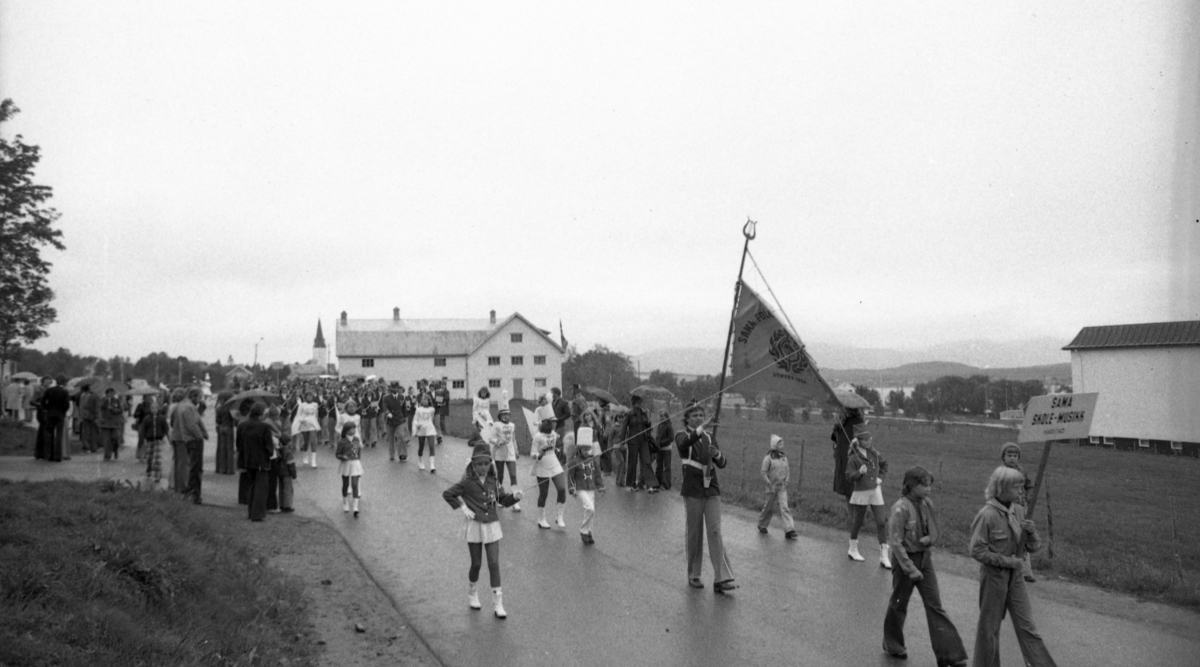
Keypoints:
pixel 978 354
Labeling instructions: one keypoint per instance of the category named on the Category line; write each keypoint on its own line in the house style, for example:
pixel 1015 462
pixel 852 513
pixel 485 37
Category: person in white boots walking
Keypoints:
pixel 503 439
pixel 866 468
pixel 426 433
pixel 477 496
pixel 547 467
pixel 307 428
pixel 585 479
pixel 349 452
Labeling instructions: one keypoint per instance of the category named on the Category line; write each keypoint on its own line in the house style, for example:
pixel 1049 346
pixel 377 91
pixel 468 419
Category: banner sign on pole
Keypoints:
pixel 1058 417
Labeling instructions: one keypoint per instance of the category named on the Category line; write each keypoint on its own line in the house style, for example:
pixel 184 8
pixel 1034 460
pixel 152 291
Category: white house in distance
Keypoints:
pixel 1148 380
pixel 510 354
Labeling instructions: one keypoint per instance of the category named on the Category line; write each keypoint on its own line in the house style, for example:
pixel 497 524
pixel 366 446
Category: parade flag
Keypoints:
pixel 768 358
pixel 562 337
pixel 532 422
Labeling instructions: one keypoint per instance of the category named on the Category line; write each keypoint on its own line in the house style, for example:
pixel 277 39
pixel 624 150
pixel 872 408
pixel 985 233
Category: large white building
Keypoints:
pixel 1148 380
pixel 511 354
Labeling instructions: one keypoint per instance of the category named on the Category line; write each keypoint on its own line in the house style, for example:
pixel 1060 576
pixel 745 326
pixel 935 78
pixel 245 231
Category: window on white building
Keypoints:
pixel 1142 442
pixel 518 361
pixel 494 383
pixel 539 382
pixel 458 384
pixel 368 363
pixel 539 360
pixel 439 361
pixel 493 361
pixel 1109 441
pixel 516 338
pixel 1095 439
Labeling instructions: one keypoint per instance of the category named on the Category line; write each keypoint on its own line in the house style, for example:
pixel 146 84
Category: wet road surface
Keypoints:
pixel 625 600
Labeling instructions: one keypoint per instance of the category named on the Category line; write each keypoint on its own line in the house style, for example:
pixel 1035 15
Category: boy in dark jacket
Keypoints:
pixel 584 480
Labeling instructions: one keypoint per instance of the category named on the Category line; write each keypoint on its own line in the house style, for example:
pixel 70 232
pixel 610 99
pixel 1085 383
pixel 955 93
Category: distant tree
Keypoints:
pixel 665 379
pixel 895 400
pixel 26 226
pixel 703 388
pixel 804 416
pixel 869 395
pixel 604 368
pixel 780 410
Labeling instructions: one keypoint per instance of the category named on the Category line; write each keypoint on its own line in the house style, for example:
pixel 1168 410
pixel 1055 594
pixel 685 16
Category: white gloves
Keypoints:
pixel 466 511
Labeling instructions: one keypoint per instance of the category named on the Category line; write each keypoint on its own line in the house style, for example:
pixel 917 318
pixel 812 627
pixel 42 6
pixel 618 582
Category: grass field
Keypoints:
pixel 99 574
pixel 1125 521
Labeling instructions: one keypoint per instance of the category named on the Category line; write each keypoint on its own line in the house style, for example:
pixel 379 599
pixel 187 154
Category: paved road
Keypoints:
pixel 625 600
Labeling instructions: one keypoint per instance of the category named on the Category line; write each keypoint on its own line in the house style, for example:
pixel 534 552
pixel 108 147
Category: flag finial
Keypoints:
pixel 748 230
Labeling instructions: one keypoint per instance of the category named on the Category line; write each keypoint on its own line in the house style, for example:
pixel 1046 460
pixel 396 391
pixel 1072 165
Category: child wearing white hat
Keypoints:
pixel 585 480
pixel 775 473
pixel 503 439
pixel 546 467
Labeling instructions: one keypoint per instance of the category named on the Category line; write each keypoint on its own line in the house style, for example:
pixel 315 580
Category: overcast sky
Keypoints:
pixel 920 172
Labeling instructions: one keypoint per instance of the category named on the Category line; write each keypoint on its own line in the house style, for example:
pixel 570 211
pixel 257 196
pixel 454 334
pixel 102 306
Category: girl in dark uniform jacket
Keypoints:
pixel 476 495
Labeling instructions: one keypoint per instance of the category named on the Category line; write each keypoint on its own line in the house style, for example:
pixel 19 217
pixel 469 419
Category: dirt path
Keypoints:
pixel 341 593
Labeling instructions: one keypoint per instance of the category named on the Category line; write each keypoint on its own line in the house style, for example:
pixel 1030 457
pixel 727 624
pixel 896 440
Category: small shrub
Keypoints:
pixel 779 410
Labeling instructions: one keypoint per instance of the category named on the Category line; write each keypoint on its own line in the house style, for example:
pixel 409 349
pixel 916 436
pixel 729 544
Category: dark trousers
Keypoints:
pixel 663 468
pixel 50 436
pixel 226 461
pixel 606 465
pixel 195 453
pixel 181 463
pixel 947 645
pixel 108 440
pixel 273 487
pixel 640 461
pixel 258 493
pixel 244 480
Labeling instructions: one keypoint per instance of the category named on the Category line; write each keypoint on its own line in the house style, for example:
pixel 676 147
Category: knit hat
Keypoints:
pixel 776 442
pixel 1007 446
pixel 585 438
pixel 481 451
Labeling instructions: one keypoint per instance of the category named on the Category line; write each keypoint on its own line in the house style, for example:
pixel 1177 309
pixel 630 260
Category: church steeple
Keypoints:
pixel 320 339
pixel 320 353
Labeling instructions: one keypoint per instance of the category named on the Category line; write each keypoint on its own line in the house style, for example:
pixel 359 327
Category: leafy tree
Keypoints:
pixel 869 395
pixel 895 400
pixel 26 225
pixel 780 410
pixel 604 368
pixel 665 379
pixel 703 388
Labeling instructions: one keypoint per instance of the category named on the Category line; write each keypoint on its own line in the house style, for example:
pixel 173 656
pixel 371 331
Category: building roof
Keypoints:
pixel 1157 334
pixel 419 338
pixel 238 371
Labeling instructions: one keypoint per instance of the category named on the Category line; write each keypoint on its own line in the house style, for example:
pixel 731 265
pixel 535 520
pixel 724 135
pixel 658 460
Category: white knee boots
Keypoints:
pixel 853 554
pixel 498 603
pixel 473 597
pixel 355 508
pixel 885 560
pixel 560 522
pixel 345 503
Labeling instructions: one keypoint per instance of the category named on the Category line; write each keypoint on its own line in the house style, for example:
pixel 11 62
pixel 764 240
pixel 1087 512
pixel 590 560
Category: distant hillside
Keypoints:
pixel 1031 352
pixel 912 374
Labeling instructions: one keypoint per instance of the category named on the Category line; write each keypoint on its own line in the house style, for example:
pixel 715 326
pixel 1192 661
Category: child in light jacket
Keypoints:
pixel 1000 538
pixel 912 529
pixel 775 473
pixel 1010 455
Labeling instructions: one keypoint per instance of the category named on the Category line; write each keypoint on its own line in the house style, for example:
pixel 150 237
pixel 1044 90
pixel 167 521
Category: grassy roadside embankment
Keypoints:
pixel 101 574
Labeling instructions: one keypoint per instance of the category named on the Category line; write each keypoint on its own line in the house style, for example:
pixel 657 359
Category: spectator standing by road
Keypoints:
pixel 637 434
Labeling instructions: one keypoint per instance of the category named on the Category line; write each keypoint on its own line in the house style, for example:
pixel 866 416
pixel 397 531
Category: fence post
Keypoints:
pixel 744 447
pixel 1049 522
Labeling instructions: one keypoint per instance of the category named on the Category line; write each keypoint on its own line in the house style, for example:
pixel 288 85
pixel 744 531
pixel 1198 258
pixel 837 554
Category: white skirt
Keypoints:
pixel 873 497
pixel 354 468
pixel 485 533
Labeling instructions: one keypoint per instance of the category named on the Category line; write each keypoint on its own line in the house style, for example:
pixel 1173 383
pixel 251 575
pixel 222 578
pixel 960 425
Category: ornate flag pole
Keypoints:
pixel 749 232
